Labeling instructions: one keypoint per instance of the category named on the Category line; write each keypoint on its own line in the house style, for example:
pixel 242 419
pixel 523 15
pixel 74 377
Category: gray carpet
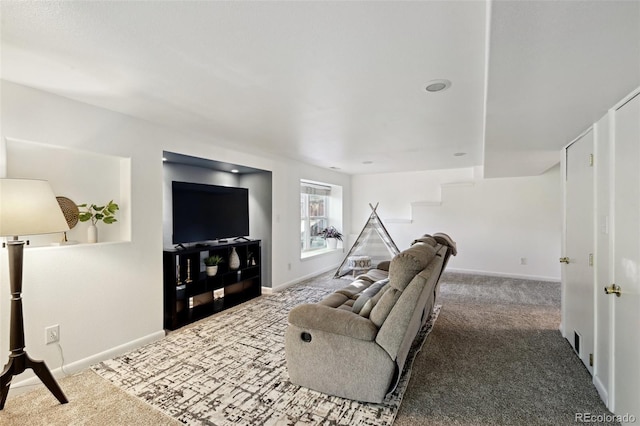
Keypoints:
pixel 496 357
pixel 93 401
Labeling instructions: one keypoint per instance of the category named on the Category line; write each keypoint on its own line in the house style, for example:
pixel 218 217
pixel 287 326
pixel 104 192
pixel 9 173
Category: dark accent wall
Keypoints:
pixel 260 202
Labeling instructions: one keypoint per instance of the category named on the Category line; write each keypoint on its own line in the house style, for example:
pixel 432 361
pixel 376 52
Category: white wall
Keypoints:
pixel 108 297
pixel 495 222
pixel 104 295
pixel 396 192
pixel 71 173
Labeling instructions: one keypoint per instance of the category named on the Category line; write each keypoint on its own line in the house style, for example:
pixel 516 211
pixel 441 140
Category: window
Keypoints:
pixel 314 215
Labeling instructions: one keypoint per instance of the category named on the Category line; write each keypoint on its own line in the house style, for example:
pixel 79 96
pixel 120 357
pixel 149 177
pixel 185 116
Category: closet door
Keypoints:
pixel 577 270
pixel 603 259
pixel 626 260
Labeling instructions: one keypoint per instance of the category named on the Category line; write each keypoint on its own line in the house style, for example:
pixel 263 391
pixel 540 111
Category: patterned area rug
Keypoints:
pixel 230 370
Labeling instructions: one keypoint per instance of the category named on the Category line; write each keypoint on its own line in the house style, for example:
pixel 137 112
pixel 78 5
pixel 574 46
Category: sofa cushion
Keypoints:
pixel 371 303
pixel 367 294
pixel 334 300
pixel 356 287
pixel 405 265
pixel 380 312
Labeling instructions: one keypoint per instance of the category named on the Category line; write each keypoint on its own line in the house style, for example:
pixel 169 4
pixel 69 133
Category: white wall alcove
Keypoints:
pixel 83 177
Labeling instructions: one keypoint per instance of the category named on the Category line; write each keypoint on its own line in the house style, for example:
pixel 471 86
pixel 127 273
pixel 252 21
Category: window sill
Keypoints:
pixel 314 253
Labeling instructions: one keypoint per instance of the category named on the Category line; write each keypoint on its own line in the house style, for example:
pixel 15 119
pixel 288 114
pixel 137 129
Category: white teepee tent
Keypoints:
pixel 374 244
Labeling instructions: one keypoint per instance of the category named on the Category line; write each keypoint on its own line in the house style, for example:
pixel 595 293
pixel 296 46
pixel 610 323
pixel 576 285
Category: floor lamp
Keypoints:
pixel 27 207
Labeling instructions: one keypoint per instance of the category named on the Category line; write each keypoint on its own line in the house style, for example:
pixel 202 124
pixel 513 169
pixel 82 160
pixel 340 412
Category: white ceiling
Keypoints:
pixel 337 84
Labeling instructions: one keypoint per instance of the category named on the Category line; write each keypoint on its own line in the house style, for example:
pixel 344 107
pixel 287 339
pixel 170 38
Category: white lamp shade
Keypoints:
pixel 29 207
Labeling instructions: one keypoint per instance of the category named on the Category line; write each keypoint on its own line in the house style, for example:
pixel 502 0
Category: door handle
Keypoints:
pixel 564 260
pixel 613 289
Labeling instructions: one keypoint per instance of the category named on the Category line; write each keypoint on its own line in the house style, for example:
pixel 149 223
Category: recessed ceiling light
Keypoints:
pixel 367 162
pixel 234 170
pixel 438 85
pixel 459 154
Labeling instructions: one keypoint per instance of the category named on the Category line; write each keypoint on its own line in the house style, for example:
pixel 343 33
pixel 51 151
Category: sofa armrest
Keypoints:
pixel 331 320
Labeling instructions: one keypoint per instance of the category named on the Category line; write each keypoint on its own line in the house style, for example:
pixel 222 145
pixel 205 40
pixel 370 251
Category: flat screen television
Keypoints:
pixel 209 212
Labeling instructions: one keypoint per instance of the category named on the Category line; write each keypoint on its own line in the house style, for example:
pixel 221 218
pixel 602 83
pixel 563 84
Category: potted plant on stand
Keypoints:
pixel 212 263
pixel 96 214
pixel 332 235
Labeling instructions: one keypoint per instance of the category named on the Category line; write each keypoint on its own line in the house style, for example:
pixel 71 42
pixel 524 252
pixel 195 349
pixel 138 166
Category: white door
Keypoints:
pixel 578 304
pixel 626 255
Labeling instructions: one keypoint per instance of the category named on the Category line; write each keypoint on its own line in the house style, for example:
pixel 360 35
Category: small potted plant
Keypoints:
pixel 332 235
pixel 95 214
pixel 212 263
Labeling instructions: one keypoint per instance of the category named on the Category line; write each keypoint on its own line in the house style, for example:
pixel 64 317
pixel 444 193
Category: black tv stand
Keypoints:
pixel 190 295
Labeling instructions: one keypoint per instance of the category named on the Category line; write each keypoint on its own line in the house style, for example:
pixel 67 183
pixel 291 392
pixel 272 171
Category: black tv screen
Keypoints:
pixel 209 212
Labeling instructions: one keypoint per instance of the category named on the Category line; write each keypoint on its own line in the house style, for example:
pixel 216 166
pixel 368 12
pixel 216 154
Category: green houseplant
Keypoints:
pixel 212 263
pixel 95 214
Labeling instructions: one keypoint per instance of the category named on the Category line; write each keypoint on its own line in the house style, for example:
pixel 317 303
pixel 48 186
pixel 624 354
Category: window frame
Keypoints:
pixel 307 220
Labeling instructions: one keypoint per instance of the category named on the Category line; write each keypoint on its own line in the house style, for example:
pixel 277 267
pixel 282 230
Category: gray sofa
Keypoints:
pixel 354 343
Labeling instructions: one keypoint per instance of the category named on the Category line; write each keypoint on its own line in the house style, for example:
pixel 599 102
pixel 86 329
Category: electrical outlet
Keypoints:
pixel 523 260
pixel 52 334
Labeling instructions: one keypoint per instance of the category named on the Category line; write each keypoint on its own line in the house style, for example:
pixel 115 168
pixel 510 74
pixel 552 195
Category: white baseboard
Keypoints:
pixel 299 279
pixel 85 363
pixel 602 391
pixel 503 274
